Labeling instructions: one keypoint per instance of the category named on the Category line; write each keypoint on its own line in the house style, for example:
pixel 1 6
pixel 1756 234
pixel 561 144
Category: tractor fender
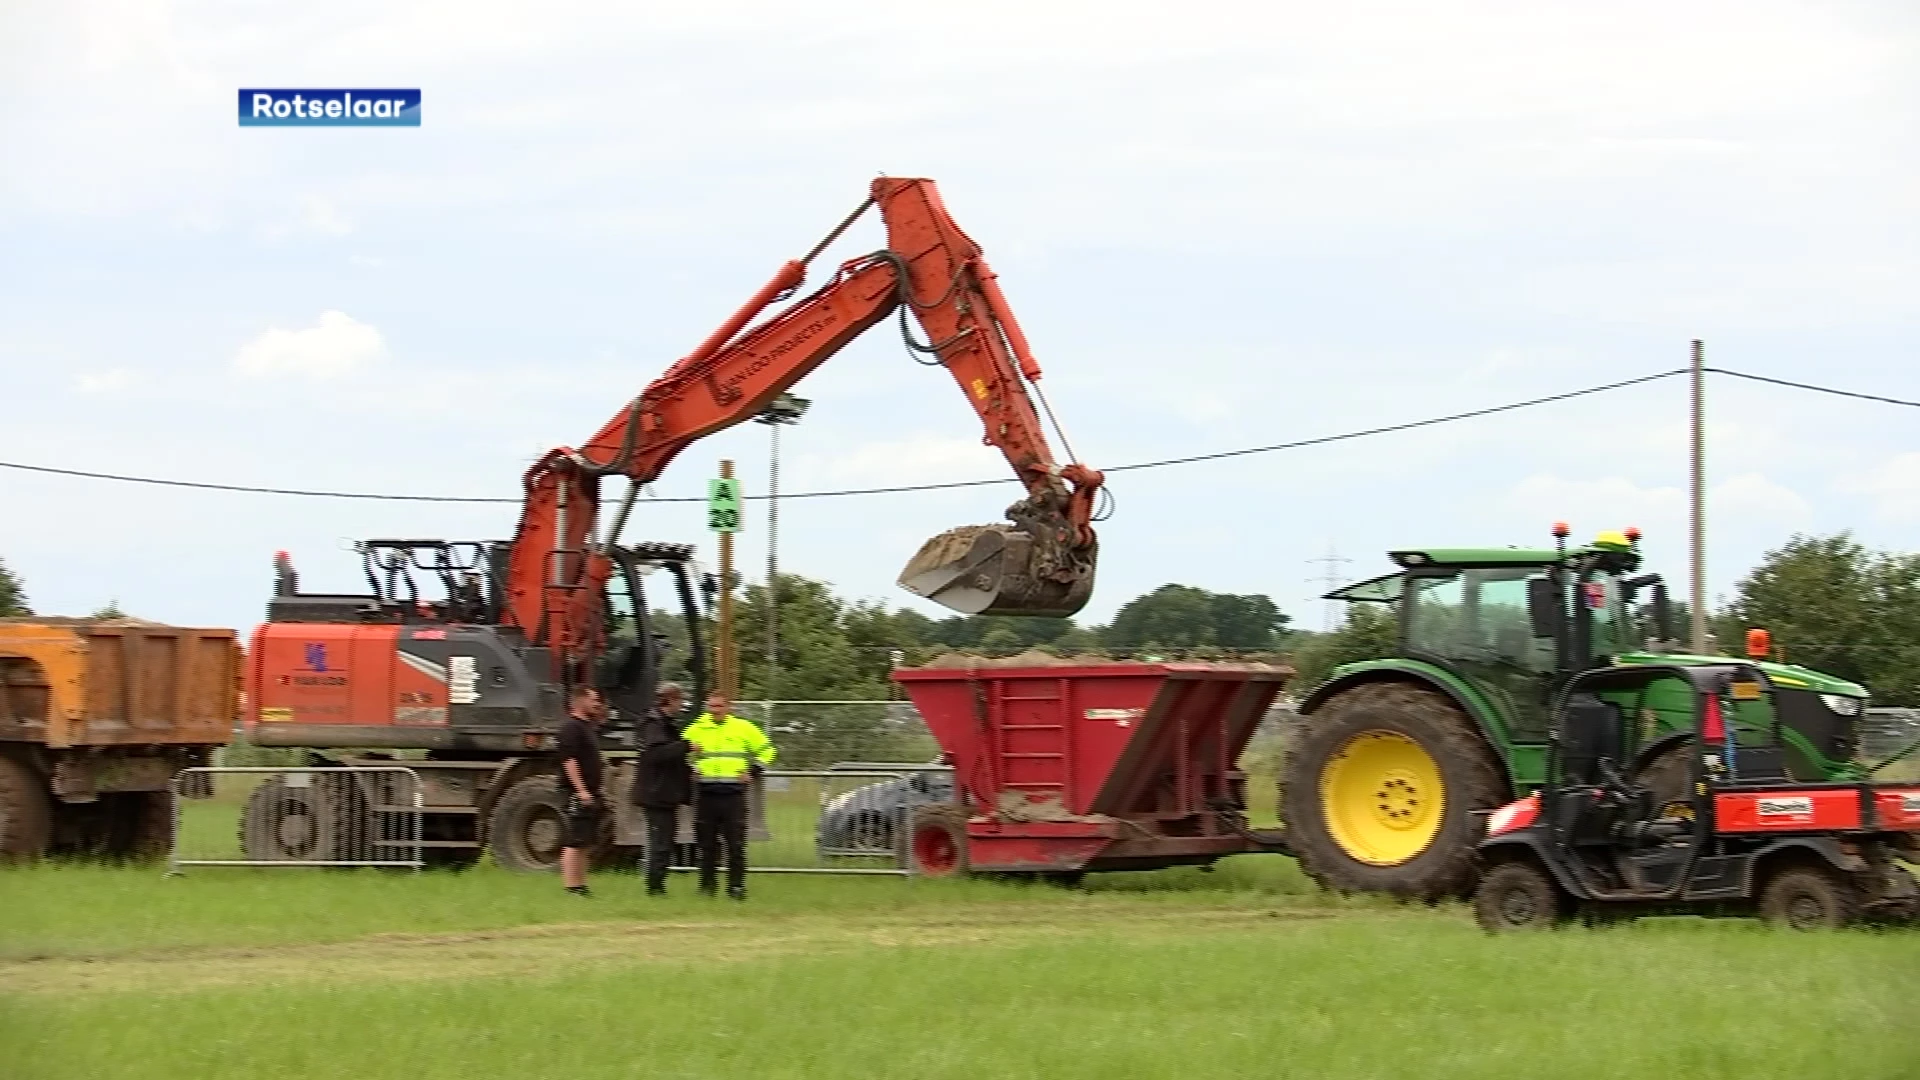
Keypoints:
pixel 1654 749
pixel 1533 844
pixel 1395 669
pixel 1804 848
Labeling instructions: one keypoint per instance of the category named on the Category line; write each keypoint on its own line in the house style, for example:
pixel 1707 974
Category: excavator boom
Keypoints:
pixel 1041 564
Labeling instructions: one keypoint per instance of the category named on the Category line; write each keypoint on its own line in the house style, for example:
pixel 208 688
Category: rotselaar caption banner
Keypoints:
pixel 329 108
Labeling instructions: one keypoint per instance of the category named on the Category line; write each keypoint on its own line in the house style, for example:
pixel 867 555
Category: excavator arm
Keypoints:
pixel 1043 564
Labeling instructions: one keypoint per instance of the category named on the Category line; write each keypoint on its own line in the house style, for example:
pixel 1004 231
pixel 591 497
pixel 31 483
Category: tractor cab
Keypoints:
pixel 1737 830
pixel 1502 630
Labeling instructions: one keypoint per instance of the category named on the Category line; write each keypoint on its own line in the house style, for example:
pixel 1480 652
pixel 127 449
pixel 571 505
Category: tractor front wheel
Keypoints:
pixel 1517 896
pixel 1379 792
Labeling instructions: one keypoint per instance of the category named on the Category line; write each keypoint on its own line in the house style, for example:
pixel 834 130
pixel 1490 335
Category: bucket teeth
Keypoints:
pixel 994 570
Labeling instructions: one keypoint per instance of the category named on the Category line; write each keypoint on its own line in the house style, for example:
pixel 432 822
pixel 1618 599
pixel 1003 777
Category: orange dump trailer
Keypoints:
pixel 96 716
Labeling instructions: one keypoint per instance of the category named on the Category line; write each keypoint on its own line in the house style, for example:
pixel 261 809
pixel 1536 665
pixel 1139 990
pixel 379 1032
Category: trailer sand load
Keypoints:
pixel 1066 766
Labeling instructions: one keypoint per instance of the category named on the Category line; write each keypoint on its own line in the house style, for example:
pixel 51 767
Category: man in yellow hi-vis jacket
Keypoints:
pixel 726 751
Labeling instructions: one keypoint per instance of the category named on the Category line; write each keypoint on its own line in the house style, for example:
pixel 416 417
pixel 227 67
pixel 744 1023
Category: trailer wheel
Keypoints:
pixel 938 842
pixel 139 826
pixel 1803 897
pixel 1517 896
pixel 283 823
pixel 1379 790
pixel 26 812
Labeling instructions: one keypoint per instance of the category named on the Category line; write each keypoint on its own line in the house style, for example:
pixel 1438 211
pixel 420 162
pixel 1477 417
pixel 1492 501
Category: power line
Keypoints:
pixel 955 484
pixel 1810 386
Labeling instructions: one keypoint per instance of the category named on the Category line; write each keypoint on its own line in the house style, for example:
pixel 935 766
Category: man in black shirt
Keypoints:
pixel 581 771
pixel 663 782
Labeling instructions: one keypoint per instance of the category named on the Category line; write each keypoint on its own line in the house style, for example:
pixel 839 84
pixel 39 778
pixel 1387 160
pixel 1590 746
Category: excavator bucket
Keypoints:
pixel 992 570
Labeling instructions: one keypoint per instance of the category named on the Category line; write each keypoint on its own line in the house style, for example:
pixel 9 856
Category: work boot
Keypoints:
pixel 735 892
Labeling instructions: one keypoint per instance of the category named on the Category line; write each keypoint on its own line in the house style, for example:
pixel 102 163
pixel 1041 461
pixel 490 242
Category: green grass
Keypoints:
pixel 1371 996
pixel 83 910
pixel 1245 971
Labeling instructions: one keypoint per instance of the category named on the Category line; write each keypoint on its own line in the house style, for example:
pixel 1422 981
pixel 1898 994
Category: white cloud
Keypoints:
pixel 928 460
pixel 1616 502
pixel 336 345
pixel 104 382
pixel 1751 495
pixel 1894 485
pixel 324 216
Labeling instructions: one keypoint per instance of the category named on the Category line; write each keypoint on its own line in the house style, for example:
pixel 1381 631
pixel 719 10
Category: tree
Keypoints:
pixel 1371 631
pixel 1181 616
pixel 111 611
pixel 13 593
pixel 1832 605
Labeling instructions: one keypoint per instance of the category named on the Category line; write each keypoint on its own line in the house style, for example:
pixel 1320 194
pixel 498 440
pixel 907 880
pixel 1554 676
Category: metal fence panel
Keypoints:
pixel 305 816
pixel 843 820
pixel 817 734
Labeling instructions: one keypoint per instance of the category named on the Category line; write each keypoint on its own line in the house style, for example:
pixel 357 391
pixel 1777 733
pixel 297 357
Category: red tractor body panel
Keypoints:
pixel 1798 809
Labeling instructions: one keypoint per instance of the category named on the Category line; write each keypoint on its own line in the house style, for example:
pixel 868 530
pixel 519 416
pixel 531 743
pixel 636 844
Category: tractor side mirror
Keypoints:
pixel 1662 604
pixel 1662 612
pixel 1543 607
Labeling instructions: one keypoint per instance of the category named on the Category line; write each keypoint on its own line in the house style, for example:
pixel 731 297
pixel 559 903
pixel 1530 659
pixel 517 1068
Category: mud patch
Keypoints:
pixel 557 951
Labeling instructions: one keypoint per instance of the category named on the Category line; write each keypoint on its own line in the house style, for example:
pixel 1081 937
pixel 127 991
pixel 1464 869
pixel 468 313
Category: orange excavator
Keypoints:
pixel 465 649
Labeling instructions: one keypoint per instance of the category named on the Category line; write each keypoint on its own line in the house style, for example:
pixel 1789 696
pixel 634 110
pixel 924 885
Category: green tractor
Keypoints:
pixel 1392 765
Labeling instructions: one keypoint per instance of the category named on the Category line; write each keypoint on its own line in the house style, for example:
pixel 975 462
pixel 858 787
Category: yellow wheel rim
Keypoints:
pixel 1382 797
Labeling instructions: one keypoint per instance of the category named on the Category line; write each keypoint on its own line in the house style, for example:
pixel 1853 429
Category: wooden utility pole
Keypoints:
pixel 726 656
pixel 1697 595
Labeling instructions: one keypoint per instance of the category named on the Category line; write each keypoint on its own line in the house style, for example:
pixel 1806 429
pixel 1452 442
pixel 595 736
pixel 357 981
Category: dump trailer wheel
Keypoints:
pixel 283 823
pixel 1518 896
pixel 140 826
pixel 26 812
pixel 937 842
pixel 1381 790
pixel 1807 897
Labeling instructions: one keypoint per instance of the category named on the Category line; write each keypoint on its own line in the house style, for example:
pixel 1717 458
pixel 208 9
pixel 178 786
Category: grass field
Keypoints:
pixel 1244 972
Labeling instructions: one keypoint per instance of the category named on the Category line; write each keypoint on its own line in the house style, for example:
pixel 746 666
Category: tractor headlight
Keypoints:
pixel 1841 704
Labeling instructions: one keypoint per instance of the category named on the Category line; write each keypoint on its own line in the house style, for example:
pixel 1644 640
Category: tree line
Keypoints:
pixel 1830 603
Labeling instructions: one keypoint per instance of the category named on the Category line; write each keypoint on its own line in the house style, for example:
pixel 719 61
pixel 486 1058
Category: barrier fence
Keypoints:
pixel 850 819
pixel 306 816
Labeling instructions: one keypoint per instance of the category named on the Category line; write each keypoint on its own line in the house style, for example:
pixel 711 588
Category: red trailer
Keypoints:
pixel 1066 767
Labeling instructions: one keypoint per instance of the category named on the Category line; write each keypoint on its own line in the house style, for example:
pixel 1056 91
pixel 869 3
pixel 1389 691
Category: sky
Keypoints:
pixel 1222 225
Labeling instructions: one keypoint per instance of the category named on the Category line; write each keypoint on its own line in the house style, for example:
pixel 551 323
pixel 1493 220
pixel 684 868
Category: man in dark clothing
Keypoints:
pixel 663 782
pixel 581 772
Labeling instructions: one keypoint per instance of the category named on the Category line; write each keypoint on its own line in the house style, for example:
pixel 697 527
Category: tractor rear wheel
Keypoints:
pixel 1666 775
pixel 1517 896
pixel 937 836
pixel 1807 897
pixel 1379 789
pixel 26 812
